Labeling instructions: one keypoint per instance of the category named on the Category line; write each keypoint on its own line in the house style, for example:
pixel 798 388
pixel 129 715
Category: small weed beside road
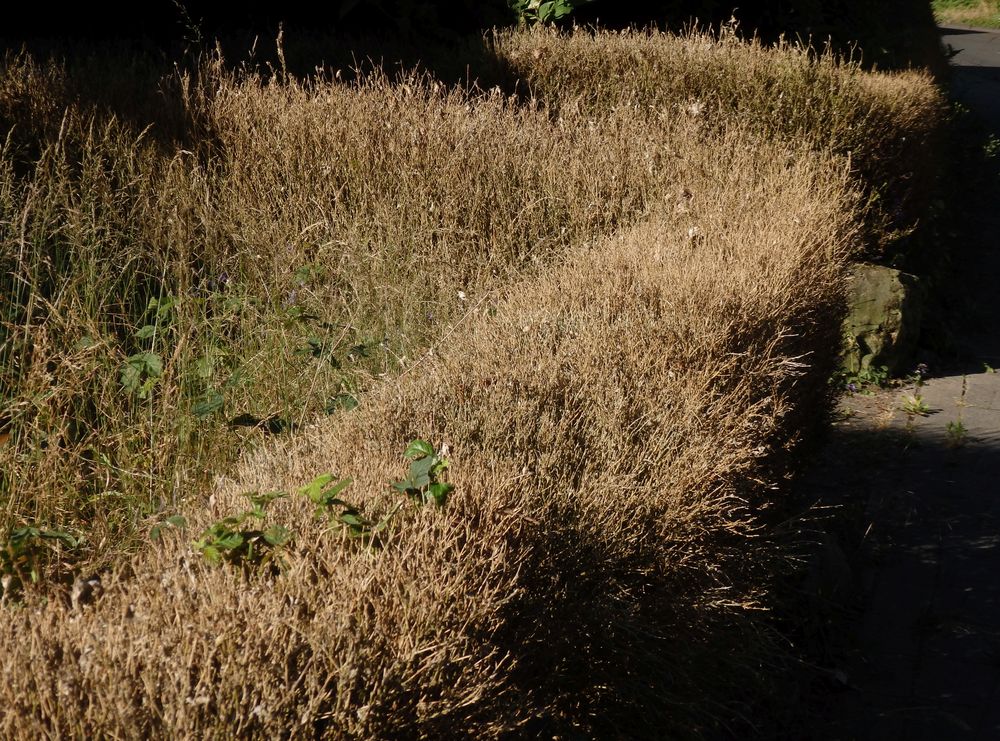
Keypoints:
pixel 915 404
pixel 957 434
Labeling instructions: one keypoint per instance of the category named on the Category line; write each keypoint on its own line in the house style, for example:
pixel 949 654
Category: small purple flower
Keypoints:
pixel 852 387
pixel 922 369
pixel 223 279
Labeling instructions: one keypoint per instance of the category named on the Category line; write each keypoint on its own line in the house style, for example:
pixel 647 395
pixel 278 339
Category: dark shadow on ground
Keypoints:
pixel 899 610
pixel 957 31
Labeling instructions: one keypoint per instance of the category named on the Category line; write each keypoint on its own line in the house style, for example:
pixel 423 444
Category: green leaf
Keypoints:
pixel 131 376
pixel 212 403
pixel 64 538
pixel 262 500
pixel 353 519
pixel 314 489
pixel 211 554
pixel 145 332
pixel 85 343
pixel 329 495
pixel 418 449
pixel 229 542
pixel 164 306
pixel 439 492
pixel 406 486
pixel 153 364
pixel 420 471
pixel 277 535
pixel 314 347
pixel 228 523
pixel 177 521
pixel 23 533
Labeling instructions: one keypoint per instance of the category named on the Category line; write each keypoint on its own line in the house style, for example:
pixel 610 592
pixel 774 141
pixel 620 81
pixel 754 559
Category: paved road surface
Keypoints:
pixel 976 69
pixel 923 662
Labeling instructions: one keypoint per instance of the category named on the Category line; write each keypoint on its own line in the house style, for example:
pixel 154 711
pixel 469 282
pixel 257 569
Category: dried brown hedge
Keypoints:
pixel 889 126
pixel 611 423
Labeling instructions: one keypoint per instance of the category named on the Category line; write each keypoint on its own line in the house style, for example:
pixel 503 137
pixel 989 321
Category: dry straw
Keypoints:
pixel 650 306
pixel 608 420
pixel 888 125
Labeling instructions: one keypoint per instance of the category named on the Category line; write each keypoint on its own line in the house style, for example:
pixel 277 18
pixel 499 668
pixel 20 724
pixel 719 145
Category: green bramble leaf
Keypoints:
pixel 439 492
pixel 418 449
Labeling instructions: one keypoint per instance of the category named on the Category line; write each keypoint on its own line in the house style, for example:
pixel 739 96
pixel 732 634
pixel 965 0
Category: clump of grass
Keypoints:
pixel 957 433
pixel 914 404
pixel 632 312
pixel 984 13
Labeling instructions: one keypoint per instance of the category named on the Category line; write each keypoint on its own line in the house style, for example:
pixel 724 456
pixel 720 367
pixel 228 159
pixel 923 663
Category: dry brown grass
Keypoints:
pixel 968 12
pixel 652 301
pixel 346 216
pixel 610 424
pixel 888 125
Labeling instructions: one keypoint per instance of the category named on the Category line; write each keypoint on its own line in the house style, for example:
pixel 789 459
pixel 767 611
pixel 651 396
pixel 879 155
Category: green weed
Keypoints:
pixel 544 11
pixel 957 433
pixel 324 491
pixel 861 381
pixel 423 482
pixel 914 404
pixel 230 541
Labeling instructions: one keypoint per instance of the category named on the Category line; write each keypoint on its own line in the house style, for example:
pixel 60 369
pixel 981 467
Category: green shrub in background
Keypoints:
pixel 543 11
pixel 968 12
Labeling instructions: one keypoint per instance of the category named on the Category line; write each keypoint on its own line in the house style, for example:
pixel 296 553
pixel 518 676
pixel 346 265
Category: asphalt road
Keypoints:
pixel 976 69
pixel 922 661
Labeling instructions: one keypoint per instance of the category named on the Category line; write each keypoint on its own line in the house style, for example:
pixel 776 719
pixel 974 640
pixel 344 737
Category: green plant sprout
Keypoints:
pixel 915 404
pixel 324 491
pixel 142 370
pixel 230 541
pixel 957 433
pixel 423 482
pixel 422 485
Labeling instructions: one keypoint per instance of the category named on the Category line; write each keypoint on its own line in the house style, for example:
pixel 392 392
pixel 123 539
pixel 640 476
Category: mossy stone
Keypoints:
pixel 883 324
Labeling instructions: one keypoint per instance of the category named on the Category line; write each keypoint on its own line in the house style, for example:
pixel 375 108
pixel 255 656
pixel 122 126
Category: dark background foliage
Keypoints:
pixel 891 33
